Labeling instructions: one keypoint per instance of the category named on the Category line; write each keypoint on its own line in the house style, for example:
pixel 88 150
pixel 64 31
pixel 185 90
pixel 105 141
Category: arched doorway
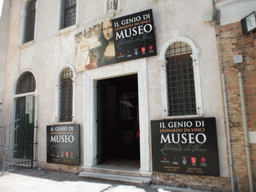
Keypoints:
pixel 24 119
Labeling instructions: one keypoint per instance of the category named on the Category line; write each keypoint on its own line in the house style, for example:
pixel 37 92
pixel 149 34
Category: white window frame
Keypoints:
pixel 59 13
pixel 57 94
pixel 111 13
pixel 23 21
pixel 198 93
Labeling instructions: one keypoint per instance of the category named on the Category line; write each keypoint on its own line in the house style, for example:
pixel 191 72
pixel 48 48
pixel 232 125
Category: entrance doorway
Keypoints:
pixel 23 133
pixel 24 128
pixel 118 134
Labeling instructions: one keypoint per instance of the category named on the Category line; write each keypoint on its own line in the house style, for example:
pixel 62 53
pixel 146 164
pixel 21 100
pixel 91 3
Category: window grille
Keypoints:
pixel 68 13
pixel 66 95
pixel 180 80
pixel 26 83
pixel 29 26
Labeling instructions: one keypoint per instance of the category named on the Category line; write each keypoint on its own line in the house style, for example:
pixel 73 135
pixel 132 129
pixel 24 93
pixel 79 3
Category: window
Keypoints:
pixel 68 13
pixel 112 5
pixel 66 95
pixel 26 83
pixel 29 25
pixel 180 80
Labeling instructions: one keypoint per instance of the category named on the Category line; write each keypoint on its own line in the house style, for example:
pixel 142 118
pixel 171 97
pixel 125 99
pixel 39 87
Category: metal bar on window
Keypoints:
pixel 26 83
pixel 68 13
pixel 30 21
pixel 66 95
pixel 180 76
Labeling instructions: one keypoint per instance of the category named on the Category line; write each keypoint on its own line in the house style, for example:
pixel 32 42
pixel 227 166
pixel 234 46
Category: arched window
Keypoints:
pixel 29 23
pixel 180 80
pixel 66 95
pixel 68 13
pixel 26 83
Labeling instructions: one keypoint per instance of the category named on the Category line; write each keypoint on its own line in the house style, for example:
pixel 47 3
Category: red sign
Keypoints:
pixel 143 49
pixel 193 160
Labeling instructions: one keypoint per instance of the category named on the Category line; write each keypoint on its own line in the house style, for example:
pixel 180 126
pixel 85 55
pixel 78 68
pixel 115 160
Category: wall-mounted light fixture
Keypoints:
pixel 249 23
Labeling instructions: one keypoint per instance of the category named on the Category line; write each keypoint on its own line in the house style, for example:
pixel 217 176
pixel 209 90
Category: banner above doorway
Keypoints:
pixel 118 40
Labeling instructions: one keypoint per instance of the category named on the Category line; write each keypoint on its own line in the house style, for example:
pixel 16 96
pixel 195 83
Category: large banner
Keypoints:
pixel 63 144
pixel 122 39
pixel 185 146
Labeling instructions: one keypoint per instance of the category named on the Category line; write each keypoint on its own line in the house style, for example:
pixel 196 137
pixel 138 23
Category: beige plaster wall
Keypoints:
pixel 3 39
pixel 53 49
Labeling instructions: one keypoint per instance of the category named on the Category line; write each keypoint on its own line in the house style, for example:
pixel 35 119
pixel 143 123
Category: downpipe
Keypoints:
pixel 246 134
pixel 228 133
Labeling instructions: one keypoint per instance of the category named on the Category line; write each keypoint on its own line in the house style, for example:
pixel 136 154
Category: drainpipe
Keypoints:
pixel 228 132
pixel 215 16
pixel 246 134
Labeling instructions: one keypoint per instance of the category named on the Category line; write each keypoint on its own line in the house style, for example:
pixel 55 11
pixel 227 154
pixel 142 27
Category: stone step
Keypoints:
pixel 117 171
pixel 116 177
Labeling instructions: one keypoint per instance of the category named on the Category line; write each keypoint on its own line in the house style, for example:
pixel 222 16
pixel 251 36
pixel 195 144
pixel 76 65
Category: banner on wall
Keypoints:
pixel 118 40
pixel 63 144
pixel 185 146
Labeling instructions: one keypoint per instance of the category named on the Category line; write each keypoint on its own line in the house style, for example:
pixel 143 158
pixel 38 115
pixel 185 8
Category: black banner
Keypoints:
pixel 185 146
pixel 63 144
pixel 112 41
pixel 134 36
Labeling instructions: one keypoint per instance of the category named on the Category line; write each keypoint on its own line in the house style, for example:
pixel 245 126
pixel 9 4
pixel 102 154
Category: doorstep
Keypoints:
pixel 133 177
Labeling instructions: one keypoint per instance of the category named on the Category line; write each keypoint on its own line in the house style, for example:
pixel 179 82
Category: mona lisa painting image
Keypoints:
pixel 95 47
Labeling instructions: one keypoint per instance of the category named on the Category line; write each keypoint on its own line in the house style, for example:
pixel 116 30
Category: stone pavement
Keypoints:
pixel 33 180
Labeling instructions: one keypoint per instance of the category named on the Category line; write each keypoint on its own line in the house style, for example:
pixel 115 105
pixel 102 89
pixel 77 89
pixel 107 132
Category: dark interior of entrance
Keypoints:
pixel 24 131
pixel 118 119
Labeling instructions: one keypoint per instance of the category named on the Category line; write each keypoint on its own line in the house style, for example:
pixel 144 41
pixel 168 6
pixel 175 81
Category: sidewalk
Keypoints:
pixel 28 180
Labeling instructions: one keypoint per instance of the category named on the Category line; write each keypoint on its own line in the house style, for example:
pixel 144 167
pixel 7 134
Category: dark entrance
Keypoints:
pixel 24 129
pixel 117 119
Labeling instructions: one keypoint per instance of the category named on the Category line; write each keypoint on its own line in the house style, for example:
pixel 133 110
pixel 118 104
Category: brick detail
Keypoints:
pixel 231 41
pixel 208 183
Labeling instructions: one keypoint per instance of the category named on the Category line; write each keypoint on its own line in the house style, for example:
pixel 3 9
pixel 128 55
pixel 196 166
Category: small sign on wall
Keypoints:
pixel 63 144
pixel 185 146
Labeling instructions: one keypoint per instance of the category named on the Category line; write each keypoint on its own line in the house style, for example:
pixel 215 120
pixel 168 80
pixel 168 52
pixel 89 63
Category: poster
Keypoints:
pixel 118 40
pixel 185 146
pixel 63 144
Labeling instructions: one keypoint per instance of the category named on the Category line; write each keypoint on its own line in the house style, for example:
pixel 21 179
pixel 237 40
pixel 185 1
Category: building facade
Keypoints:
pixel 124 82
